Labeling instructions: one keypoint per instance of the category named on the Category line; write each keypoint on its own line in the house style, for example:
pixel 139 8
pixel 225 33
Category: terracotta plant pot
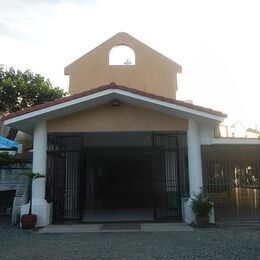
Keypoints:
pixel 28 221
pixel 202 221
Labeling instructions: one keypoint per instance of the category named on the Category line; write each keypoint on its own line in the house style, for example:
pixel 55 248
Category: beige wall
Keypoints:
pixel 122 118
pixel 152 71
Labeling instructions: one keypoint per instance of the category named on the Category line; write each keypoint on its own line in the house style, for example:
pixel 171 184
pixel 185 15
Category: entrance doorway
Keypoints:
pixel 119 181
pixel 114 175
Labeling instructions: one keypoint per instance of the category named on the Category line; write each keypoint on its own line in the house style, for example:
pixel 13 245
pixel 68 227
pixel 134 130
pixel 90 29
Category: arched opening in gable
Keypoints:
pixel 122 55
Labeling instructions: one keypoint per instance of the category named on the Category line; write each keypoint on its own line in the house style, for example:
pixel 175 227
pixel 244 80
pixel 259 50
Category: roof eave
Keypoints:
pixel 26 122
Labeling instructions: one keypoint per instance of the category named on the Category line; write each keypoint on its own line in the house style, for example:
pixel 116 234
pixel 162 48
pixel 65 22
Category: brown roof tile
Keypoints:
pixel 113 85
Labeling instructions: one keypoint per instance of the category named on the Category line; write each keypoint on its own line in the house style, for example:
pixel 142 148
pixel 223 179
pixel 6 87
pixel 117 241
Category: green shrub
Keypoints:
pixel 201 204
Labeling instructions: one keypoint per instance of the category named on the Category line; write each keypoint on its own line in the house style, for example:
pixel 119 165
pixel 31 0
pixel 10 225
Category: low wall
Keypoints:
pixel 9 175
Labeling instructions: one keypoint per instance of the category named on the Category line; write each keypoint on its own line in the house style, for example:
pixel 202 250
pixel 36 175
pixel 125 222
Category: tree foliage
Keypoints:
pixel 5 159
pixel 19 90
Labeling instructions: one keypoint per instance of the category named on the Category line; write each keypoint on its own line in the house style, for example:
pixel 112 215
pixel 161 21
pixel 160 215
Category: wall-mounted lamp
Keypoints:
pixel 115 103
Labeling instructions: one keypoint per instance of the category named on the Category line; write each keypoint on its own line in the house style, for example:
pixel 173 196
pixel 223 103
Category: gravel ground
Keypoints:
pixel 222 242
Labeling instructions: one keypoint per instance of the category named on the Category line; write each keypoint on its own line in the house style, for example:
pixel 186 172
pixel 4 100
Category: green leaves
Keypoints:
pixel 5 159
pixel 19 90
pixel 32 175
pixel 201 203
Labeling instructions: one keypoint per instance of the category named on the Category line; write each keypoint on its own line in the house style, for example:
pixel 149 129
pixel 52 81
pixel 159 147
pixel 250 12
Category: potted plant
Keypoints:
pixel 29 220
pixel 201 205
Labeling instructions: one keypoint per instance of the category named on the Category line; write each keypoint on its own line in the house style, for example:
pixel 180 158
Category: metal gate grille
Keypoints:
pixel 68 165
pixel 169 174
pixel 64 176
pixel 232 178
pixel 55 179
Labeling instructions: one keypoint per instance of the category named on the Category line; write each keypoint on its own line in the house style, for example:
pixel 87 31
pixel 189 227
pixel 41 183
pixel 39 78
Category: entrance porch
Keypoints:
pixel 120 176
pixel 68 130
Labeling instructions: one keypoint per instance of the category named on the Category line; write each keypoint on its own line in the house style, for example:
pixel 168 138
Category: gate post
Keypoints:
pixel 195 170
pixel 194 157
pixel 39 205
pixel 195 167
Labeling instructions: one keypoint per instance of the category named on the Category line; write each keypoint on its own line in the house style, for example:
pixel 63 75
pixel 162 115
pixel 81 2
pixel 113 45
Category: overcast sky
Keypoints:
pixel 217 43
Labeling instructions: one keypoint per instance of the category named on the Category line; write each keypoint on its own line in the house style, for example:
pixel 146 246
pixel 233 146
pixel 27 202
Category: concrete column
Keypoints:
pixel 39 205
pixel 39 160
pixel 194 157
pixel 195 168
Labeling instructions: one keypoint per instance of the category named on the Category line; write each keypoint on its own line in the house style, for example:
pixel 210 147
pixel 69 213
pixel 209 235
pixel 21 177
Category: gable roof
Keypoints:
pixel 121 38
pixel 24 120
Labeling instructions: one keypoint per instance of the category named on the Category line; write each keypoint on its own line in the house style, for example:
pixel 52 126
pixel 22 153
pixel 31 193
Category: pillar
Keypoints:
pixel 195 167
pixel 194 157
pixel 39 205
pixel 39 161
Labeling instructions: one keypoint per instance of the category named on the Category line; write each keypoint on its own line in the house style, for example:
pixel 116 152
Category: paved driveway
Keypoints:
pixel 209 243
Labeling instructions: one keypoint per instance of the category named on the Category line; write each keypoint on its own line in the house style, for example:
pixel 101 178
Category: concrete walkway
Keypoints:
pixel 124 227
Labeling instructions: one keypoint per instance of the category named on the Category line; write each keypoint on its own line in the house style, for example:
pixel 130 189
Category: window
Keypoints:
pixel 121 55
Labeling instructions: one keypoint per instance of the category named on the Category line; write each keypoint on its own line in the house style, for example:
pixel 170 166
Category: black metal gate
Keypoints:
pixel 64 176
pixel 169 174
pixel 231 176
pixel 68 175
pixel 55 181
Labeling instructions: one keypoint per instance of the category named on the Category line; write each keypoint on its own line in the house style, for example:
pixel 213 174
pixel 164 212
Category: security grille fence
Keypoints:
pixel 71 184
pixel 231 175
pixel 170 174
pixel 63 183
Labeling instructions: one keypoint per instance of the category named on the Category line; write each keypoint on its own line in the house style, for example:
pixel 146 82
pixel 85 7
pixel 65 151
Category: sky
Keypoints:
pixel 217 43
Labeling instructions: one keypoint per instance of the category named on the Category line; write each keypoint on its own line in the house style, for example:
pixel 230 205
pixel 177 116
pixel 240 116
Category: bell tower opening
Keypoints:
pixel 122 55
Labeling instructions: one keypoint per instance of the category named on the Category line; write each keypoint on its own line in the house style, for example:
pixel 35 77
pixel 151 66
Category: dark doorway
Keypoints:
pixel 119 178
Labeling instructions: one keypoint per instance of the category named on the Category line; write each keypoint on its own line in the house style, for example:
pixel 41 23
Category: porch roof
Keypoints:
pixel 25 120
